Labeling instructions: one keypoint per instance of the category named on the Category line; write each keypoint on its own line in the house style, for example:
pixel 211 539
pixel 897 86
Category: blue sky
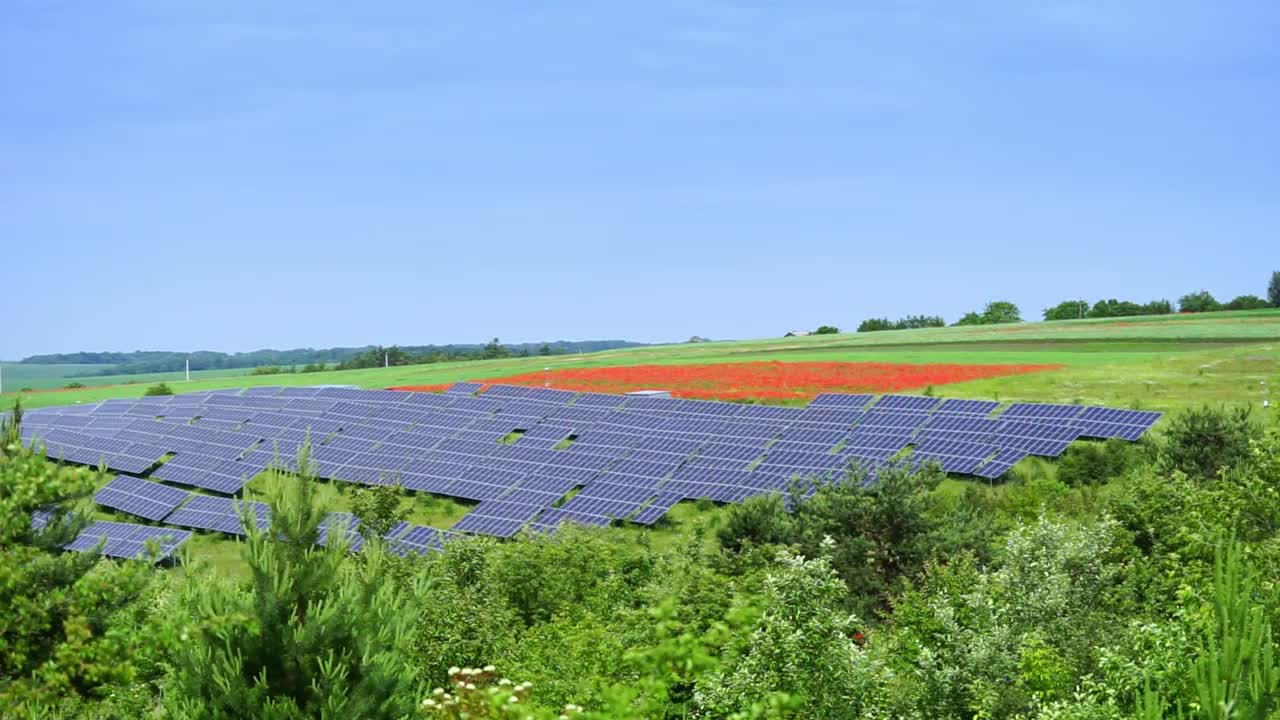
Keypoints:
pixel 237 175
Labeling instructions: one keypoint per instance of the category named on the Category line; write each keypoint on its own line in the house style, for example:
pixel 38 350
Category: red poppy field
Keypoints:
pixel 761 381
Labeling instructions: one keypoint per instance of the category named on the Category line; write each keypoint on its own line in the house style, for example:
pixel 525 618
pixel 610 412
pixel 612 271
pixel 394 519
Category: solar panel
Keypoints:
pixel 499 518
pixel 967 407
pixel 418 540
pixel 40 519
pixel 123 540
pixel 622 451
pixel 917 403
pixel 1001 463
pixel 1038 411
pixel 139 497
pixel 656 508
pixel 841 400
pixel 205 512
pixel 598 400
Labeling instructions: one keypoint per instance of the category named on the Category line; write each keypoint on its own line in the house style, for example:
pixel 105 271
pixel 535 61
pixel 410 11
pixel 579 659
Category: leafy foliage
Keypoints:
pixel 1073 309
pixel 1201 301
pixel 64 632
pixel 1246 302
pixel 827 330
pixel 1095 463
pixel 909 322
pixel 995 313
pixel 880 530
pixel 1207 441
pixel 379 509
pixel 1273 289
pixel 159 389
pixel 311 634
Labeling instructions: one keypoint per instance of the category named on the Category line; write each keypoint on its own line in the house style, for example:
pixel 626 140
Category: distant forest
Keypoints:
pixel 153 361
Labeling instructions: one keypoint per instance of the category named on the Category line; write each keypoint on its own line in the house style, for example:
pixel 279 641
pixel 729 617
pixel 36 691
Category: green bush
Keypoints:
pixel 826 330
pixel 73 385
pixel 1094 463
pixel 158 389
pixel 1207 441
pixel 270 370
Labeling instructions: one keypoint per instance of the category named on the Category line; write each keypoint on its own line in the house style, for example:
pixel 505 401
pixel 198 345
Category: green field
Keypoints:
pixel 1161 363
pixel 50 377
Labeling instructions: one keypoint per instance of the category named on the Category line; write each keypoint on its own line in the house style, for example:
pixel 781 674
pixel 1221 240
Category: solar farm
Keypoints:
pixel 530 458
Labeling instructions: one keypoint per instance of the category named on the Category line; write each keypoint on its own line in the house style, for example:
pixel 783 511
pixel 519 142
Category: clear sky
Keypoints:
pixel 235 175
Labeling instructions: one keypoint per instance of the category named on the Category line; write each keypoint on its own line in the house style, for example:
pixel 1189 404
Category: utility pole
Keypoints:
pixel 547 370
pixel 188 368
pixel 386 359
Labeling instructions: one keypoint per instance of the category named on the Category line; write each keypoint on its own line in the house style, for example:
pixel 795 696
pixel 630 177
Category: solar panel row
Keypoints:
pixel 629 454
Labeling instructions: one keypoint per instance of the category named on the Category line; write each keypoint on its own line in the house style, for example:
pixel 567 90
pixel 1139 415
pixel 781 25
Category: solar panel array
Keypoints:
pixel 124 540
pixel 629 457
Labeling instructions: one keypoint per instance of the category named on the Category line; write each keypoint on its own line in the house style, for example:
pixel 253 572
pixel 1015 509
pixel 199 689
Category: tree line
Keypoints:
pixel 394 355
pixel 1003 311
pixel 1126 581
pixel 139 362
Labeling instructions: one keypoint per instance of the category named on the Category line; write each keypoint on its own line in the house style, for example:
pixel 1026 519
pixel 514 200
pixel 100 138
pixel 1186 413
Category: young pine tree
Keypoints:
pixel 313 633
pixel 62 632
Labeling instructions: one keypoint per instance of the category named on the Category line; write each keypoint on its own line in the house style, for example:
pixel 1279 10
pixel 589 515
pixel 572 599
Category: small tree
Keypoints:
pixel 1201 301
pixel 802 647
pixel 1273 289
pixel 159 389
pixel 495 349
pixel 913 322
pixel 826 330
pixel 62 635
pixel 379 509
pixel 875 324
pixel 310 634
pixel 1067 310
pixel 1001 311
pixel 970 318
pixel 544 349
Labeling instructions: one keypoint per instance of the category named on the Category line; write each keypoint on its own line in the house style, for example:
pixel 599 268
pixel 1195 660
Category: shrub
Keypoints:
pixel 757 521
pixel 826 330
pixel 802 647
pixel 73 385
pixel 1205 442
pixel 269 370
pixel 1094 463
pixel 158 389
pixel 1273 289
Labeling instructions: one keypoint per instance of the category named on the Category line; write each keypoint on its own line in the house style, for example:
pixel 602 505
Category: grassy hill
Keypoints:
pixel 1161 363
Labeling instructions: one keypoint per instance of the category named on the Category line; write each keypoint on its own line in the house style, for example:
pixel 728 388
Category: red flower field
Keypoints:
pixel 759 380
